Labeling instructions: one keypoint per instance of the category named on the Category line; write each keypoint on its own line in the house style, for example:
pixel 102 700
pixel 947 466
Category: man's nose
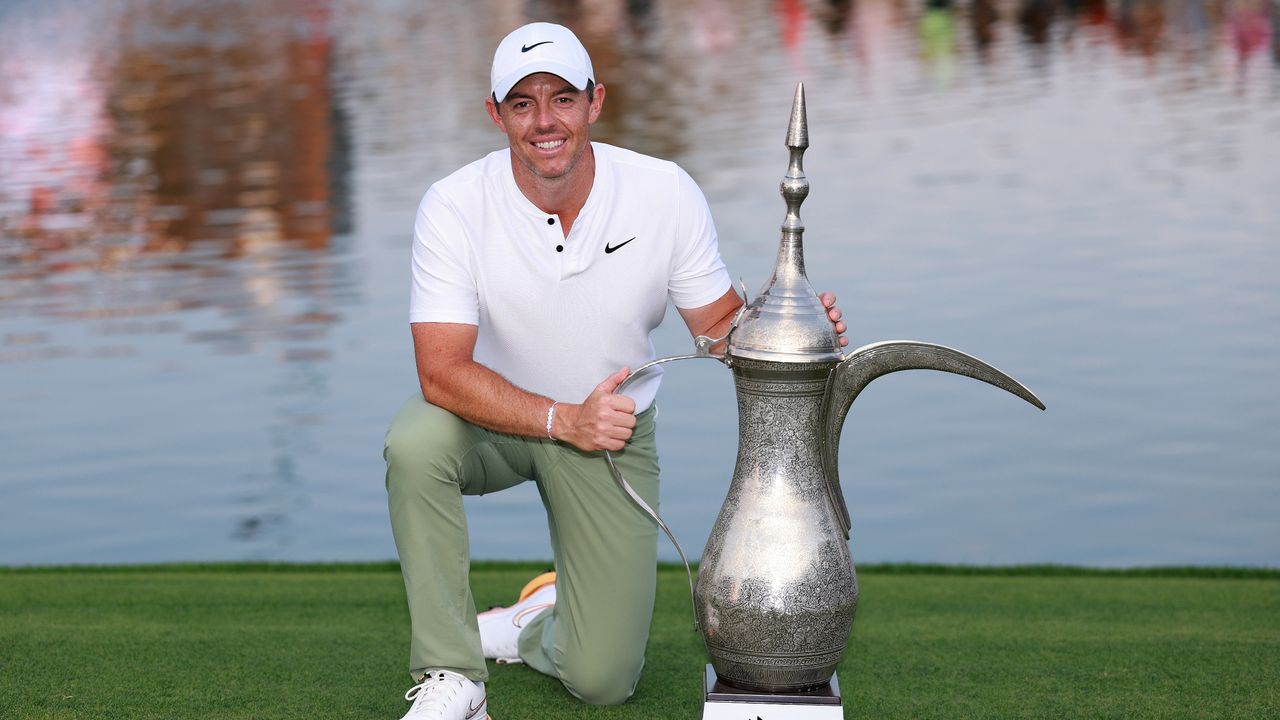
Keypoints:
pixel 544 117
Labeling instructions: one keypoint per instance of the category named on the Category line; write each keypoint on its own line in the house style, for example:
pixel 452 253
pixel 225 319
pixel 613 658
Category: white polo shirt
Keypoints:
pixel 557 315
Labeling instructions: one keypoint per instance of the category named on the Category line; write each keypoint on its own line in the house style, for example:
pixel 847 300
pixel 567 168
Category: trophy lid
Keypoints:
pixel 787 322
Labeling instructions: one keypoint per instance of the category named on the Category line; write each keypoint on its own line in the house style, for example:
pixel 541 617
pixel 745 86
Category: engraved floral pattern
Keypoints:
pixel 776 575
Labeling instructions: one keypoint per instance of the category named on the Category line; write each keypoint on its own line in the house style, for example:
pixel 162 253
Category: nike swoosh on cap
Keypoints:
pixel 527 48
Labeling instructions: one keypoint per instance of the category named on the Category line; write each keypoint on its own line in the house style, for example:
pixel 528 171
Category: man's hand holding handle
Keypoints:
pixel 604 421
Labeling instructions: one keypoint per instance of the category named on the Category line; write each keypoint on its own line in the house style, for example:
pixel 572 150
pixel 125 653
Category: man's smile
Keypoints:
pixel 549 144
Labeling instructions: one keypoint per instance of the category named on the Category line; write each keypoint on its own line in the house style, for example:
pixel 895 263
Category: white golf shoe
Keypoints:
pixel 500 627
pixel 446 695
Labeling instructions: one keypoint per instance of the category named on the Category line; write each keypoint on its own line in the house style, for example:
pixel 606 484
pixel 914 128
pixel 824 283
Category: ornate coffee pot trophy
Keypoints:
pixel 776 589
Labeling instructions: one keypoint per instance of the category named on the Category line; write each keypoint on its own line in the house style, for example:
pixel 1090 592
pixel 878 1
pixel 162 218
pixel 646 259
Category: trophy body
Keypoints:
pixel 776 591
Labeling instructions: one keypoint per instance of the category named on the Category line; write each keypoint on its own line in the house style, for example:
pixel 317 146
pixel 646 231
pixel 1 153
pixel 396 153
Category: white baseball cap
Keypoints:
pixel 539 47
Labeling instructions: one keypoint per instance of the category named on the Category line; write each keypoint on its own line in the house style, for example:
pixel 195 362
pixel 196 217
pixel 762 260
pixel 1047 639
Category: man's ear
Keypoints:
pixel 492 107
pixel 597 103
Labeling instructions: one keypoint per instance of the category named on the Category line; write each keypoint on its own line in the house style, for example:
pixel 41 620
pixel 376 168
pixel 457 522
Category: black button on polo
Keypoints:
pixel 559 248
pixel 551 221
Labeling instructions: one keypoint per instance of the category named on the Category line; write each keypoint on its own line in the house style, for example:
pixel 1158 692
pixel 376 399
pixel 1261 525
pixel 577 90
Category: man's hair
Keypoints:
pixel 590 90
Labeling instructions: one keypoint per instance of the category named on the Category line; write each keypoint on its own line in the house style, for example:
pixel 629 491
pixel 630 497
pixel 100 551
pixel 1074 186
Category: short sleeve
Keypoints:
pixel 698 275
pixel 443 288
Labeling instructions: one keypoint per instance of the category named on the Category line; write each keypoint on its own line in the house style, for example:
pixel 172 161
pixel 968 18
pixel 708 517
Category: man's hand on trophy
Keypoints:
pixel 829 302
pixel 603 421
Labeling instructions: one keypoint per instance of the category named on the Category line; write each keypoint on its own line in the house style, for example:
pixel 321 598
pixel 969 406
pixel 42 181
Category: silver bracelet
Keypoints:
pixel 551 416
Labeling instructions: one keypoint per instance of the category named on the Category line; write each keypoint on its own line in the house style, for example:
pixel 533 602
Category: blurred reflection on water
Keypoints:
pixel 205 212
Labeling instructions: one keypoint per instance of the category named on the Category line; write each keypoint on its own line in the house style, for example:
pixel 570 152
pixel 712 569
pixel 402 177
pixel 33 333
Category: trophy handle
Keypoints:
pixel 869 362
pixel 703 350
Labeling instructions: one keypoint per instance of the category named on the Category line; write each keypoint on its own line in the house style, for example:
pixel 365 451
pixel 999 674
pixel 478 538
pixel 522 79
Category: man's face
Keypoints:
pixel 546 121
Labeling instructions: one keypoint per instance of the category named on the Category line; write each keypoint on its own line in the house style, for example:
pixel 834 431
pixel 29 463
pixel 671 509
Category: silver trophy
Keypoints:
pixel 776 590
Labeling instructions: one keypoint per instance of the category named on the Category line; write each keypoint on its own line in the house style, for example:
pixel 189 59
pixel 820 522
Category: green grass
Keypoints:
pixel 330 641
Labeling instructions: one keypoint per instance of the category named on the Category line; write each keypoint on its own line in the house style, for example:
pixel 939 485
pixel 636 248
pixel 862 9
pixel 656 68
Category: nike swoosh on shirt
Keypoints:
pixel 610 248
pixel 527 48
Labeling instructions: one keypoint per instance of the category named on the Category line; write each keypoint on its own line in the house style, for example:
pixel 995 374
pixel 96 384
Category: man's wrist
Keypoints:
pixel 563 422
pixel 551 418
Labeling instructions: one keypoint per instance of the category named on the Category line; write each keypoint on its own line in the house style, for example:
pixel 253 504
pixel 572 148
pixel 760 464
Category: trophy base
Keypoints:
pixel 724 702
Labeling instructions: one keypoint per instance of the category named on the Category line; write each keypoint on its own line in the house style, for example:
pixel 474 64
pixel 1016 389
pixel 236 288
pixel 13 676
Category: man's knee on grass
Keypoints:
pixel 602 681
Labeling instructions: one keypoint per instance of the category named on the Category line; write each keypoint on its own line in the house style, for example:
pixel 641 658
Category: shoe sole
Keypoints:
pixel 536 584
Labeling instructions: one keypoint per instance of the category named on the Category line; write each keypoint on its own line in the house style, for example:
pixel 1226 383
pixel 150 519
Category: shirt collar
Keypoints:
pixel 599 186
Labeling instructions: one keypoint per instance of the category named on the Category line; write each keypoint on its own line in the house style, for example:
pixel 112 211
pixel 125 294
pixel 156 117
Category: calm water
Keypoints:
pixel 205 215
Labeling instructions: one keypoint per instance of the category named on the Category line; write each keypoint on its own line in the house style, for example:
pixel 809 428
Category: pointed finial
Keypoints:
pixel 795 187
pixel 798 130
pixel 787 322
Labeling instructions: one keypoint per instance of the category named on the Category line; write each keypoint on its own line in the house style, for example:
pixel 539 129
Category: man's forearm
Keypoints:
pixel 452 379
pixel 713 320
pixel 481 396
pixel 721 326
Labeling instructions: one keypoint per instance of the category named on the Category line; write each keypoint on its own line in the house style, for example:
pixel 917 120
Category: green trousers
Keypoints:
pixel 605 548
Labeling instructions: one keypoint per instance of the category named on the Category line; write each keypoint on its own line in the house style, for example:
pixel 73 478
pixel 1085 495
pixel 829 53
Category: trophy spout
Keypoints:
pixel 869 362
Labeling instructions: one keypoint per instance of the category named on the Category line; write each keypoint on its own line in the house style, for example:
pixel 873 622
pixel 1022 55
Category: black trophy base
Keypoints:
pixel 725 702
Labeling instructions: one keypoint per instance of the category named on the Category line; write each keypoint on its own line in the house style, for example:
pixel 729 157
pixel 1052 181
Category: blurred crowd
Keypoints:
pixel 143 126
